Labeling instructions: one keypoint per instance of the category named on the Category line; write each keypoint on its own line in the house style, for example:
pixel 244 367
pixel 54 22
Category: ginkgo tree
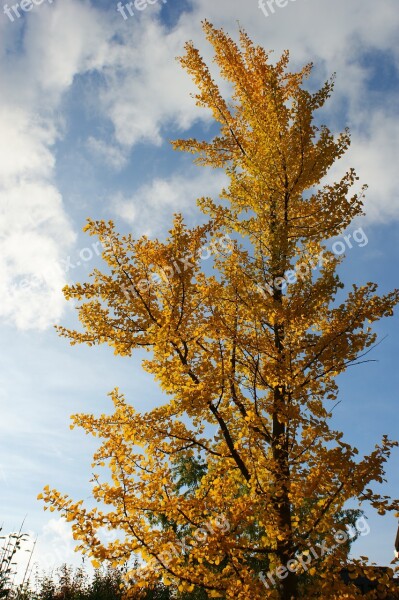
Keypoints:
pixel 246 354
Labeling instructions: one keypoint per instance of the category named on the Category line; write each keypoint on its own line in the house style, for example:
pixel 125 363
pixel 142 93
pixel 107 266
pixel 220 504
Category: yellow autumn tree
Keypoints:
pixel 246 354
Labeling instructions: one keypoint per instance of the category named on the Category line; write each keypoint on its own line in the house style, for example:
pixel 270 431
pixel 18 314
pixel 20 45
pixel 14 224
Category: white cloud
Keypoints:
pixel 375 153
pixel 34 235
pixel 143 91
pixel 112 155
pixel 140 91
pixel 67 39
pixel 26 151
pixel 149 210
pixel 59 41
pixel 47 550
pixel 146 89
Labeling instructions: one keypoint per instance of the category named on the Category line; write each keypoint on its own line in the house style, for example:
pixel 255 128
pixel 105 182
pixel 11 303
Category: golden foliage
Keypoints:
pixel 249 376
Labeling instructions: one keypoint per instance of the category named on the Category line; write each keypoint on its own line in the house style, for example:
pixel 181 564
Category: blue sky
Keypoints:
pixel 89 101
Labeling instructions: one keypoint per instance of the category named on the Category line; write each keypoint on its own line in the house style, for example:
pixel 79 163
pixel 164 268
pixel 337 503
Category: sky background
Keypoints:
pixel 88 104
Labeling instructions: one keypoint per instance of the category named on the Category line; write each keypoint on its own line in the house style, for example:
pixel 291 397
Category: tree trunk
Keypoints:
pixel 282 504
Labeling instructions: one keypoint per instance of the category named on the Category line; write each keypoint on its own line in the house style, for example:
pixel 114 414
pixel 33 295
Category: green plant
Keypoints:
pixel 11 544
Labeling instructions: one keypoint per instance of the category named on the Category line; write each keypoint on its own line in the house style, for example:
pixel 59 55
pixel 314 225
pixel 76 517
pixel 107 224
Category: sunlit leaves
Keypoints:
pixel 237 470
